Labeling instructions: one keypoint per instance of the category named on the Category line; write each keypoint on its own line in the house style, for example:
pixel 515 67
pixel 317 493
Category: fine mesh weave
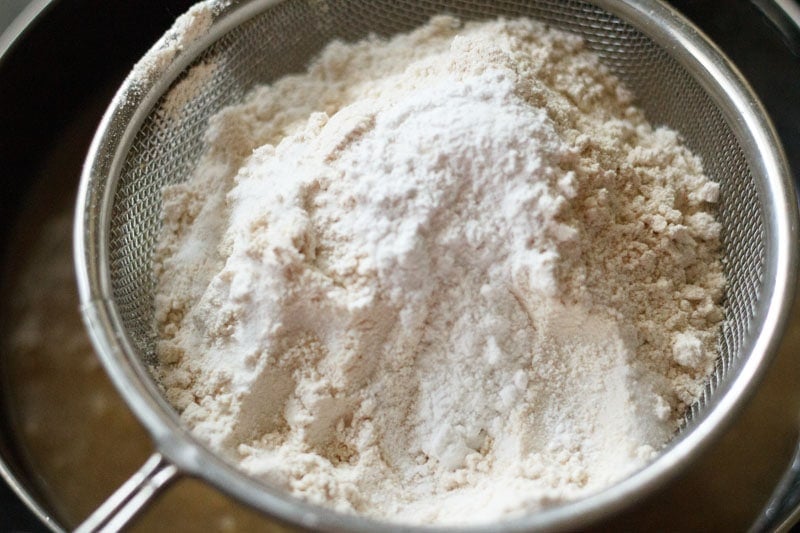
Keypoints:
pixel 285 37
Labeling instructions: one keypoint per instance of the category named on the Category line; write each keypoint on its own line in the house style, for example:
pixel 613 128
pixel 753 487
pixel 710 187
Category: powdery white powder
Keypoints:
pixel 185 31
pixel 443 278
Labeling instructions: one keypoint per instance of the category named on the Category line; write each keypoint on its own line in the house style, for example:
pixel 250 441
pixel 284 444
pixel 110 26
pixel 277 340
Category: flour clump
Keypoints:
pixel 442 278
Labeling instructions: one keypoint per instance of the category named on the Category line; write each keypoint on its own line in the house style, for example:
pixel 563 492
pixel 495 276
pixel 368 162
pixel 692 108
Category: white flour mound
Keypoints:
pixel 442 278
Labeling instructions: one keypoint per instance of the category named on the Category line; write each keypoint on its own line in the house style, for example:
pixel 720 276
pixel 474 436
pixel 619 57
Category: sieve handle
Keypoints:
pixel 132 497
pixel 783 508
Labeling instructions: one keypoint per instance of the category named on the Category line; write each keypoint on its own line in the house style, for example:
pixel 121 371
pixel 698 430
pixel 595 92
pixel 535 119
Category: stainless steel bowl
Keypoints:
pixel 725 487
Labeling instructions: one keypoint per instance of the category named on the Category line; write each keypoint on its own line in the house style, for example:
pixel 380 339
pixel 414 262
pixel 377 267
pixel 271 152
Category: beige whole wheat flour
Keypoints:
pixel 443 278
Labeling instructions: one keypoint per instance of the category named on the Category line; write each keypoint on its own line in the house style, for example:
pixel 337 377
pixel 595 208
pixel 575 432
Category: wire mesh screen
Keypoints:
pixel 284 38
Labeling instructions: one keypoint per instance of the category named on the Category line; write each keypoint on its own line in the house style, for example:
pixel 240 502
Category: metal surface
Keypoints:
pixel 785 17
pixel 21 14
pixel 131 497
pixel 39 58
pixel 680 80
pixel 783 509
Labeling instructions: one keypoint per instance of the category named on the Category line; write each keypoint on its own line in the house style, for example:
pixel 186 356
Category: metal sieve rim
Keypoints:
pixel 660 23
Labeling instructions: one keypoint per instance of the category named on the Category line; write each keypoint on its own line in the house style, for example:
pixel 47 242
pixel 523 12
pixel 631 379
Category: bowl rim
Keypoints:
pixel 10 36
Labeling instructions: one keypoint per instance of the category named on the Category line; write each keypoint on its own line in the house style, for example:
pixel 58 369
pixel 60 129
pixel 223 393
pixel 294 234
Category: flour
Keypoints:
pixel 186 90
pixel 185 31
pixel 443 278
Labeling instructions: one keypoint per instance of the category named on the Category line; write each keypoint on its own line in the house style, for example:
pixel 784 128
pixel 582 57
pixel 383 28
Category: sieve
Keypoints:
pixel 680 80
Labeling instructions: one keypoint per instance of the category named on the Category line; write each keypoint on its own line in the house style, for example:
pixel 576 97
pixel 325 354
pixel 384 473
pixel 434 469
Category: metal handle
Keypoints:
pixel 783 509
pixel 132 497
